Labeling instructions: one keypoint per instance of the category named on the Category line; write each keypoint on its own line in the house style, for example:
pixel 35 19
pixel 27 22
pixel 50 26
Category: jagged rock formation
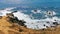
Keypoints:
pixel 13 19
pixel 11 25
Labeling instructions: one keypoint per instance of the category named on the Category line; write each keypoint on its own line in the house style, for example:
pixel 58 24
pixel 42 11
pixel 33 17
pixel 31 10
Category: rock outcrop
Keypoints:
pixel 11 25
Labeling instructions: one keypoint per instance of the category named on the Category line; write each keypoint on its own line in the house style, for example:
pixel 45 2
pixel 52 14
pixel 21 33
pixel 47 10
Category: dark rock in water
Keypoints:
pixel 16 19
pixel 43 29
pixel 55 23
pixel 14 11
pixel 54 20
pixel 44 25
pixel 47 26
pixel 49 13
pixel 35 10
pixel 21 22
pixel 47 22
pixel 13 19
pixel 10 15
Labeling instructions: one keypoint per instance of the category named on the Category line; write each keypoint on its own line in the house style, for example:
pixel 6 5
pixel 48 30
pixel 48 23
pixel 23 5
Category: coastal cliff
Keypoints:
pixel 9 25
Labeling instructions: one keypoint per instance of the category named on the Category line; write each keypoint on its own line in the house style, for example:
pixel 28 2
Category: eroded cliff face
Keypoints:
pixel 11 27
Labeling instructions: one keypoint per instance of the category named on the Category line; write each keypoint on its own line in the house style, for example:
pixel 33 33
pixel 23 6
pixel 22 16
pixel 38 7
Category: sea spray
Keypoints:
pixel 32 23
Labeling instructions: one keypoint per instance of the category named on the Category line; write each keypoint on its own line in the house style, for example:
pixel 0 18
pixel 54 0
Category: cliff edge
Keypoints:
pixel 8 25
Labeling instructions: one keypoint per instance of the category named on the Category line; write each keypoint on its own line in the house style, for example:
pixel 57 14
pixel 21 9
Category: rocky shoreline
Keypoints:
pixel 11 25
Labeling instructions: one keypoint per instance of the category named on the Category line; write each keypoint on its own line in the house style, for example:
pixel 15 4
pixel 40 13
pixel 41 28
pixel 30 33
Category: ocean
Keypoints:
pixel 36 16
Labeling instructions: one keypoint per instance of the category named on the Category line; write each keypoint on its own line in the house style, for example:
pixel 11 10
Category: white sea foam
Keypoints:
pixel 5 11
pixel 32 23
pixel 54 13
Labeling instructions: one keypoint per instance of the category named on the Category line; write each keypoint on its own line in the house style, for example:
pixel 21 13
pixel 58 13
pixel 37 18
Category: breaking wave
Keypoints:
pixel 33 23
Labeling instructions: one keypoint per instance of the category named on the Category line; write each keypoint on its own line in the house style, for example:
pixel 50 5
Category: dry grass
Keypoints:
pixel 13 28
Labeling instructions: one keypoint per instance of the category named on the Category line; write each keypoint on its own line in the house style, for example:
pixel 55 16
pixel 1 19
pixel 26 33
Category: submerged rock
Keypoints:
pixel 55 23
pixel 14 11
pixel 7 27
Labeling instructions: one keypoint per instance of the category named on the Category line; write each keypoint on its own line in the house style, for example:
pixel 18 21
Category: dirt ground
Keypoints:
pixel 13 28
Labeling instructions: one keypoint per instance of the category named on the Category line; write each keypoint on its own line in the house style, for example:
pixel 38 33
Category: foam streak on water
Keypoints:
pixel 32 23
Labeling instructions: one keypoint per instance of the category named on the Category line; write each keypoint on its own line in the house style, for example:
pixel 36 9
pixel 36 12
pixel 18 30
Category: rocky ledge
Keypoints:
pixel 11 25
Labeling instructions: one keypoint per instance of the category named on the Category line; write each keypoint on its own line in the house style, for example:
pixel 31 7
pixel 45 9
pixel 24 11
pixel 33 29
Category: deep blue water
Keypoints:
pixel 35 5
pixel 40 15
pixel 55 6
